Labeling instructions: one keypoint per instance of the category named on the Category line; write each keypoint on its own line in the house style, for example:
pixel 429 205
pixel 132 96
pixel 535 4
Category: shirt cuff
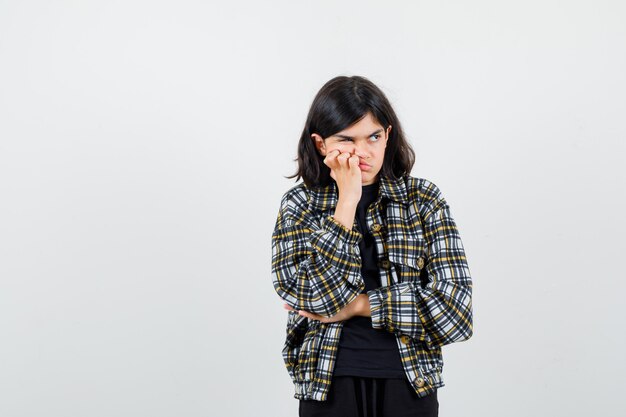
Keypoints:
pixel 377 298
pixel 341 232
pixel 389 311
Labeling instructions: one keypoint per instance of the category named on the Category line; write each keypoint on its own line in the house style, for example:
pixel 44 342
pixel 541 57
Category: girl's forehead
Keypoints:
pixel 363 128
pixel 363 132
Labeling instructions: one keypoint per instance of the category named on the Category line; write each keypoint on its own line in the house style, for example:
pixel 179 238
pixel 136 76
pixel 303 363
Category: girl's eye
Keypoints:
pixel 377 136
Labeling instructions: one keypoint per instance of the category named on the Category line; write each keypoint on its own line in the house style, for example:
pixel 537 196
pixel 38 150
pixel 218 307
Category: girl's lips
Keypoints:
pixel 364 166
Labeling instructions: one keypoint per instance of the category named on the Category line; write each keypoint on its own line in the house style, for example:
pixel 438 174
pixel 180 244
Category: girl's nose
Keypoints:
pixel 357 149
pixel 360 153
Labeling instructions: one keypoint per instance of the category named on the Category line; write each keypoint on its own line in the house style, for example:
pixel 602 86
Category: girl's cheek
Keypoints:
pixel 342 149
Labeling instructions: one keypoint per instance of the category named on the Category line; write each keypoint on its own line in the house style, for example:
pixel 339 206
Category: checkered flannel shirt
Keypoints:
pixel 426 293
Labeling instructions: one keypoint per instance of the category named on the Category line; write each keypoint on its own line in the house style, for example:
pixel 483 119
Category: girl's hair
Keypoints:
pixel 340 103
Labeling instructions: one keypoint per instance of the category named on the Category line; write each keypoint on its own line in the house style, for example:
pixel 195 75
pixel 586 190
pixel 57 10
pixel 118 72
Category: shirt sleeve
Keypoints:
pixel 439 313
pixel 316 266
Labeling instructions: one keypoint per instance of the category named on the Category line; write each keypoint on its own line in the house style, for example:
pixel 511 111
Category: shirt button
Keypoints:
pixel 405 339
pixel 420 382
pixel 385 264
pixel 376 227
pixel 420 262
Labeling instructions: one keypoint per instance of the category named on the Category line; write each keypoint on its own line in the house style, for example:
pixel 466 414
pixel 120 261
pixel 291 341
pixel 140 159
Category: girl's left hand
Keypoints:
pixel 359 307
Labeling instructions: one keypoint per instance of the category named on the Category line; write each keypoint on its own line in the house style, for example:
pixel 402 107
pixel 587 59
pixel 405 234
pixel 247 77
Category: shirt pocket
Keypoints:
pixel 301 348
pixel 308 355
pixel 408 257
pixel 295 334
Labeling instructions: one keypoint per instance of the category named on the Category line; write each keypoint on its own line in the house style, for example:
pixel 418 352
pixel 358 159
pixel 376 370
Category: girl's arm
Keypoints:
pixel 441 312
pixel 315 267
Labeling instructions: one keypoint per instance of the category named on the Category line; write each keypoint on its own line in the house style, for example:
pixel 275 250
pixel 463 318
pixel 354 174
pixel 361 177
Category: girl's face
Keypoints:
pixel 367 139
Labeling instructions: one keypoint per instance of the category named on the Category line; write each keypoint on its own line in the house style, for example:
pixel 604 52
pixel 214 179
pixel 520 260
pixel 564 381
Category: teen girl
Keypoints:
pixel 369 263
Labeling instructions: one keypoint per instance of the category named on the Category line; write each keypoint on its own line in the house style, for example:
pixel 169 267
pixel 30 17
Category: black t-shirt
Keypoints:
pixel 363 350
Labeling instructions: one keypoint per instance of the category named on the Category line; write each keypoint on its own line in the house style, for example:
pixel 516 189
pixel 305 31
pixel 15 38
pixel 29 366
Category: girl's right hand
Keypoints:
pixel 344 169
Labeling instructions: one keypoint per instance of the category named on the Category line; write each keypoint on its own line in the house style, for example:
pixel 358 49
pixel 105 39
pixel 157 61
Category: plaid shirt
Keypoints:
pixel 426 293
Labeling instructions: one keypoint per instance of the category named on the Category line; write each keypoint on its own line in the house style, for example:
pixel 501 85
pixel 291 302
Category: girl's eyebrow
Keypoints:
pixel 350 137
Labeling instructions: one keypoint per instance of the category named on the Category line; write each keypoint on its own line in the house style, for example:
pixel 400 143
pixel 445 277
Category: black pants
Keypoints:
pixel 354 396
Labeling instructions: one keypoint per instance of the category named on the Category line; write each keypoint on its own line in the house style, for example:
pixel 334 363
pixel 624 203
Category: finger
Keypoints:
pixel 343 160
pixel 344 156
pixel 317 317
pixel 332 154
pixel 331 158
pixel 353 161
pixel 311 316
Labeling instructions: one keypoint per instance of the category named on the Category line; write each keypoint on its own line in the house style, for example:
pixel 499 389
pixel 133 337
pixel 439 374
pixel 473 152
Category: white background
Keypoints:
pixel 143 149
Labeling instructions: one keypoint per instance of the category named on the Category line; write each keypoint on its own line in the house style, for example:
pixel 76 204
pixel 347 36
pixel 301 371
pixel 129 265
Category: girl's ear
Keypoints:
pixel 387 135
pixel 319 143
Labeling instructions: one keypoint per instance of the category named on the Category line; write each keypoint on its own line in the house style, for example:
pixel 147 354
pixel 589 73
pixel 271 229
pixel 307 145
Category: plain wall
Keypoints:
pixel 143 150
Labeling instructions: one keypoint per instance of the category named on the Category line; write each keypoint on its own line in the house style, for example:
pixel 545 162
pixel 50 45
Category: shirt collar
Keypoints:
pixel 326 197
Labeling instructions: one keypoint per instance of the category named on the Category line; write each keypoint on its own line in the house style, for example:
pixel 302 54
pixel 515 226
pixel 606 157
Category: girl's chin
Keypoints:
pixel 366 180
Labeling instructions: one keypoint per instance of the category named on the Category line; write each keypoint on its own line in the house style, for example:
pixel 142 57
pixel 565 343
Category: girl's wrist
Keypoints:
pixel 365 306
